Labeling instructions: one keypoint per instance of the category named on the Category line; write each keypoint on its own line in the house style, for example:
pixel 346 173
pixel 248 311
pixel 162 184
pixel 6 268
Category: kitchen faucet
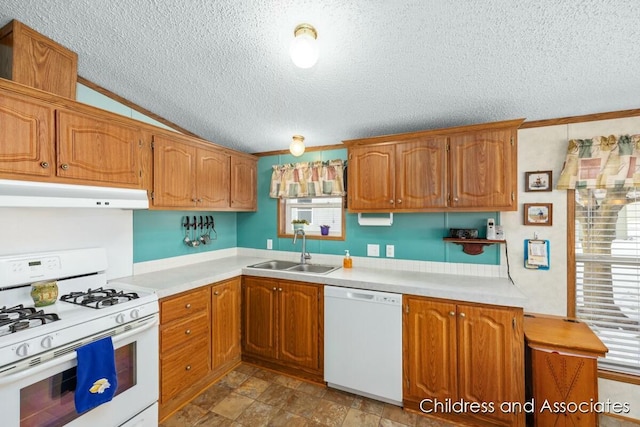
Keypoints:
pixel 304 255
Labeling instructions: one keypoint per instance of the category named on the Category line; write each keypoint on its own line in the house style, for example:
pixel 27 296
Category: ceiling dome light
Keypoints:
pixel 297 146
pixel 304 46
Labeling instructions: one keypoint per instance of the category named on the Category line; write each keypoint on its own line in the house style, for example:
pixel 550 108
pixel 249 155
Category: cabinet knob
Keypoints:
pixel 194 200
pixel 64 166
pixel 187 332
pixel 280 289
pixel 187 368
pixel 216 293
pixel 399 201
pixel 452 313
pixel 391 201
pixel 463 315
pixel 188 306
pixel 275 289
pixel 455 199
pixel 44 165
pixel 199 200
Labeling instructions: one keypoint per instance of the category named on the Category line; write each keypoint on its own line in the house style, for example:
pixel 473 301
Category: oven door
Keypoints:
pixel 43 395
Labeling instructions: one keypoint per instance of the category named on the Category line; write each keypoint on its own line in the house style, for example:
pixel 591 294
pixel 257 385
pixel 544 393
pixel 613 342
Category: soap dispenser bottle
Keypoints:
pixel 347 262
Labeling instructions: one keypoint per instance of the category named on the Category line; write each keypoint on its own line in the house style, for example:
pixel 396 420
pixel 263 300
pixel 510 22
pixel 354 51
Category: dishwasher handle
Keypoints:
pixel 358 295
pixel 362 295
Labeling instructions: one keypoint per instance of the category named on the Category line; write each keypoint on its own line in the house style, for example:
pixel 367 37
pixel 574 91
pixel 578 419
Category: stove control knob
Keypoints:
pixel 23 350
pixel 135 313
pixel 120 318
pixel 47 341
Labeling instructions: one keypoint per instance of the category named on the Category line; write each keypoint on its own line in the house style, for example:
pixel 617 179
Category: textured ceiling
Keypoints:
pixel 221 68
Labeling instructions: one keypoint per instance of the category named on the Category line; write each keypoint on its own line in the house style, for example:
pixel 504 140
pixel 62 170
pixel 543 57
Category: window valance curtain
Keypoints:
pixel 308 179
pixel 602 162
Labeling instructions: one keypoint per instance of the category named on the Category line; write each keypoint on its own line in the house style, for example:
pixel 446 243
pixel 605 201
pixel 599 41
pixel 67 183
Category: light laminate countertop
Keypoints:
pixel 478 289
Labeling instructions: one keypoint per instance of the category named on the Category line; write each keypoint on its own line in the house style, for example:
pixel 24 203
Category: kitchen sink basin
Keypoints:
pixel 274 265
pixel 313 268
pixel 295 267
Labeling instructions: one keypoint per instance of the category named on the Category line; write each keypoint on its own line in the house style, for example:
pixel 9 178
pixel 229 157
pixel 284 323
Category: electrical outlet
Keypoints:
pixel 373 250
pixel 269 244
pixel 390 251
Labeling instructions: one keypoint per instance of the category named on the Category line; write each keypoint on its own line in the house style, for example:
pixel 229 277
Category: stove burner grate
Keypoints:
pixel 18 318
pixel 98 298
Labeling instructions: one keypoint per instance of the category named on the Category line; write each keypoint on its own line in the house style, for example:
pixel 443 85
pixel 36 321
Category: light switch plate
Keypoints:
pixel 391 251
pixel 373 250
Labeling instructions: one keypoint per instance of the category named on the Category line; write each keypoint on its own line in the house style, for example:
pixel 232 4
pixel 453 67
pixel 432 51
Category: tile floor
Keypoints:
pixel 254 397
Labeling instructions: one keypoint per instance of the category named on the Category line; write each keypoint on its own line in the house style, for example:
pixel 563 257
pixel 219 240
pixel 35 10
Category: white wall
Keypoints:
pixel 47 229
pixel 544 149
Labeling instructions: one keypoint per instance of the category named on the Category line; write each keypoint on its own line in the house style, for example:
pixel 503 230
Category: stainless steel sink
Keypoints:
pixel 313 268
pixel 295 267
pixel 274 265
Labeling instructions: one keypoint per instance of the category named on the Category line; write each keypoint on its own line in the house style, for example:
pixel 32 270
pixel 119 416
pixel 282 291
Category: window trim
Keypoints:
pixel 571 286
pixel 280 218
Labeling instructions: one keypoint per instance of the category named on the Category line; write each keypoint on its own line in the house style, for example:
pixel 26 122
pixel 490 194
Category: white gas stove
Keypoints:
pixel 88 308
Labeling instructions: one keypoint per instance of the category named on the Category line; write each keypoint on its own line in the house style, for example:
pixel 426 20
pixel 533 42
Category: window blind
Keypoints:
pixel 608 272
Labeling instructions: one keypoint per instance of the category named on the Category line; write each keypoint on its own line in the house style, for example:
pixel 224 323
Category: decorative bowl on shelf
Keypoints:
pixel 463 233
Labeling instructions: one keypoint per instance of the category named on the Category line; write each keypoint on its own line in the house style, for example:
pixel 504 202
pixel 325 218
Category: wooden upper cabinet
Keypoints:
pixel 483 169
pixel 244 183
pixel 371 179
pixel 212 178
pixel 174 173
pixel 92 149
pixel 30 58
pixel 467 168
pixel 26 138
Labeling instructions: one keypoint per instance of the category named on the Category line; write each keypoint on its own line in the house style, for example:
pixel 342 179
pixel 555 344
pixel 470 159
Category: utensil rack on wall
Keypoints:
pixel 204 223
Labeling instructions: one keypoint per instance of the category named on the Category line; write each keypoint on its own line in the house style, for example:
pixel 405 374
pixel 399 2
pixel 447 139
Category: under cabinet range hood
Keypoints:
pixel 29 194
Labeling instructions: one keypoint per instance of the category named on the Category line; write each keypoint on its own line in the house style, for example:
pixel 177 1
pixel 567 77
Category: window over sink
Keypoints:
pixel 319 212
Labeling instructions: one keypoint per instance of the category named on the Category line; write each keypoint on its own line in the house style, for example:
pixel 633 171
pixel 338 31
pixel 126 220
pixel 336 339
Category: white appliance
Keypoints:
pixel 491 229
pixel 363 342
pixel 37 344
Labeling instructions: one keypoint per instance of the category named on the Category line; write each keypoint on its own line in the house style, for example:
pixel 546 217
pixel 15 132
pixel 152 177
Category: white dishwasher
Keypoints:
pixel 363 342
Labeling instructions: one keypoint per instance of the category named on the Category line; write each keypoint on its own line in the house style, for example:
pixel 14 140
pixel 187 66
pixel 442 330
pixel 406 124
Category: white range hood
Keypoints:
pixel 50 195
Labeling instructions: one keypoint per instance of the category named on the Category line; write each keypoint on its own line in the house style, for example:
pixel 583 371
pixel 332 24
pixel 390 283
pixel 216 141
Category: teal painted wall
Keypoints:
pixel 416 236
pixel 159 234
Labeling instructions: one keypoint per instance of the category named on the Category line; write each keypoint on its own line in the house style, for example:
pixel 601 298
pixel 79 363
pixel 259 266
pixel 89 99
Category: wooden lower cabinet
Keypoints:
pixel 281 326
pixel 199 341
pixel 463 354
pixel 562 370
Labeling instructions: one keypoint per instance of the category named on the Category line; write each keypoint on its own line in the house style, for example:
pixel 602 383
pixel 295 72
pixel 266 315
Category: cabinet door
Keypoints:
pixel 91 149
pixel 174 171
pixel 421 170
pixel 430 356
pixel 244 182
pixel 225 320
pixel 26 139
pixel 298 324
pixel 371 178
pixel 212 179
pixel 259 329
pixel 491 359
pixel 483 166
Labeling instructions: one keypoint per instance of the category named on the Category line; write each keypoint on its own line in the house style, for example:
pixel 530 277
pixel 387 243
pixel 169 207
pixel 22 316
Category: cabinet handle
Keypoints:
pixel 399 201
pixel 64 166
pixel 455 199
pixel 188 306
pixel 187 332
pixel 275 289
pixel 44 165
pixel 452 313
pixel 194 200
pixel 187 368
pixel 199 200
pixel 280 289
pixel 463 315
pixel 216 293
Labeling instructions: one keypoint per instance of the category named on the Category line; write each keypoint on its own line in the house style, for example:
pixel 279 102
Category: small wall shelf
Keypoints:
pixel 472 246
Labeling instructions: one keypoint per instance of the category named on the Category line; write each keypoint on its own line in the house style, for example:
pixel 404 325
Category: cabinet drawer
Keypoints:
pixel 184 305
pixel 185 332
pixel 183 368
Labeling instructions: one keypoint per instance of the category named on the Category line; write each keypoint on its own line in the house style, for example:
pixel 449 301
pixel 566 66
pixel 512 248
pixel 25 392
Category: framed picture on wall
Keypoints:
pixel 538 181
pixel 538 214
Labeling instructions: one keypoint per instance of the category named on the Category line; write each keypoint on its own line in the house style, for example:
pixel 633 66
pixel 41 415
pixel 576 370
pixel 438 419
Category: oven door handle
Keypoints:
pixel 9 378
